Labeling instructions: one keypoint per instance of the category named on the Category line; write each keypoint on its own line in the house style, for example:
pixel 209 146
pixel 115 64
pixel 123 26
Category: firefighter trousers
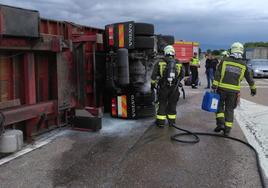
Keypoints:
pixel 168 97
pixel 194 71
pixel 227 104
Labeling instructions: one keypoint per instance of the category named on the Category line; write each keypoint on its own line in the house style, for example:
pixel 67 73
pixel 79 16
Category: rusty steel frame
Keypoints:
pixel 28 112
pixel 55 37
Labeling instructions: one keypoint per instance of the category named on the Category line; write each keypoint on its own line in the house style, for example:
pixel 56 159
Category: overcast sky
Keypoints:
pixel 213 23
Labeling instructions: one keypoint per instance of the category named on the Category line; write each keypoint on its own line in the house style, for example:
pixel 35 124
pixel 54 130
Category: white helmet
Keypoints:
pixel 237 47
pixel 169 50
pixel 225 53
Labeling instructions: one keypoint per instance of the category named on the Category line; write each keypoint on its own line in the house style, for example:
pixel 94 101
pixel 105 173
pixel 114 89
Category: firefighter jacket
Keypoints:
pixel 229 74
pixel 159 70
pixel 194 62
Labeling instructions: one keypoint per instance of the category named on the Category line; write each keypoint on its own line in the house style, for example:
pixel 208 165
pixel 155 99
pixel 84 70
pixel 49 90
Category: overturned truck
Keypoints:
pixel 132 50
pixel 54 73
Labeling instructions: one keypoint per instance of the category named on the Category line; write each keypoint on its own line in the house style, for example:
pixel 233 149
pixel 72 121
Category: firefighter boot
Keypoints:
pixel 171 122
pixel 160 123
pixel 160 126
pixel 219 128
pixel 227 131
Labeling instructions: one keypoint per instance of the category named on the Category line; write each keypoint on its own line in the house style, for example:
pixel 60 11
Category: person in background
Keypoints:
pixel 194 65
pixel 211 64
pixel 209 70
pixel 214 62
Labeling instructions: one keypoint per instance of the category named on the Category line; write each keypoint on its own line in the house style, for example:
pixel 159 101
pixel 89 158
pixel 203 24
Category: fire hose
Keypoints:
pixel 197 139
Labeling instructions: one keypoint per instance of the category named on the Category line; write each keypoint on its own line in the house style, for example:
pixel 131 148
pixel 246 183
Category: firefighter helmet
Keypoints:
pixel 169 50
pixel 237 47
pixel 225 53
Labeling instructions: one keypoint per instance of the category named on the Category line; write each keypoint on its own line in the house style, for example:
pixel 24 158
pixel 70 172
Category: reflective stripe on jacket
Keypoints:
pixel 194 61
pixel 230 73
pixel 160 67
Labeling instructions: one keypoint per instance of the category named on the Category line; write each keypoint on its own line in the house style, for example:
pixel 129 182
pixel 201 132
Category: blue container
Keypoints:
pixel 211 102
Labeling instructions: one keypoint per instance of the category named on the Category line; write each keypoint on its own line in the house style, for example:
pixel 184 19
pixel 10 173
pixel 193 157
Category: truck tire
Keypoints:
pixel 169 39
pixel 145 111
pixel 142 42
pixel 144 99
pixel 144 29
pixel 163 41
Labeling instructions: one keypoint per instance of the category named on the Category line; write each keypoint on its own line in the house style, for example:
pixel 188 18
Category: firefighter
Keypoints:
pixel 194 65
pixel 166 77
pixel 229 74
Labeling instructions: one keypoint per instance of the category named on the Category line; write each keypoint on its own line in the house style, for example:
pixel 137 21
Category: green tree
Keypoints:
pixel 216 52
pixel 255 44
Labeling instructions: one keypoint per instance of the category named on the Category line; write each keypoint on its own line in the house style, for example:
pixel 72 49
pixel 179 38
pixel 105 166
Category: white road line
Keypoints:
pixel 258 86
pixel 194 91
pixel 253 120
pixel 261 82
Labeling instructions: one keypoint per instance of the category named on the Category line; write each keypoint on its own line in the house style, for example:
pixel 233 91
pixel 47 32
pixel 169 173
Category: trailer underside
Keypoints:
pixel 47 70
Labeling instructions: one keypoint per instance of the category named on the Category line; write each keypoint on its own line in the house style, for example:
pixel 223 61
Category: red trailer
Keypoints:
pixel 48 71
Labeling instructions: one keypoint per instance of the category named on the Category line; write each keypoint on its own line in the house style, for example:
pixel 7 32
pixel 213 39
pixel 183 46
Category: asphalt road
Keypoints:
pixel 262 91
pixel 138 154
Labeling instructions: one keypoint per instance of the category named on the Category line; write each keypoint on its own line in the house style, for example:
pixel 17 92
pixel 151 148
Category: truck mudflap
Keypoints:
pixel 87 120
pixel 132 106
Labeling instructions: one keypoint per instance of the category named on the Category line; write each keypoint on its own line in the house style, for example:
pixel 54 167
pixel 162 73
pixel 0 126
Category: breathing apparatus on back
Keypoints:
pixel 170 73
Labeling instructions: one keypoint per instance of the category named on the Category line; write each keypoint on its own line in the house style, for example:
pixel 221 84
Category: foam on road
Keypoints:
pixel 253 120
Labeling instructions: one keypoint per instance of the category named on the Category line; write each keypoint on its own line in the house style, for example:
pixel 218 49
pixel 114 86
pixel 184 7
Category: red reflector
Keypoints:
pixel 113 106
pixel 111 35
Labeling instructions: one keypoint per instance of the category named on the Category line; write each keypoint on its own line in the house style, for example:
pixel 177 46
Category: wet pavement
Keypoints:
pixel 129 153
pixel 137 154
